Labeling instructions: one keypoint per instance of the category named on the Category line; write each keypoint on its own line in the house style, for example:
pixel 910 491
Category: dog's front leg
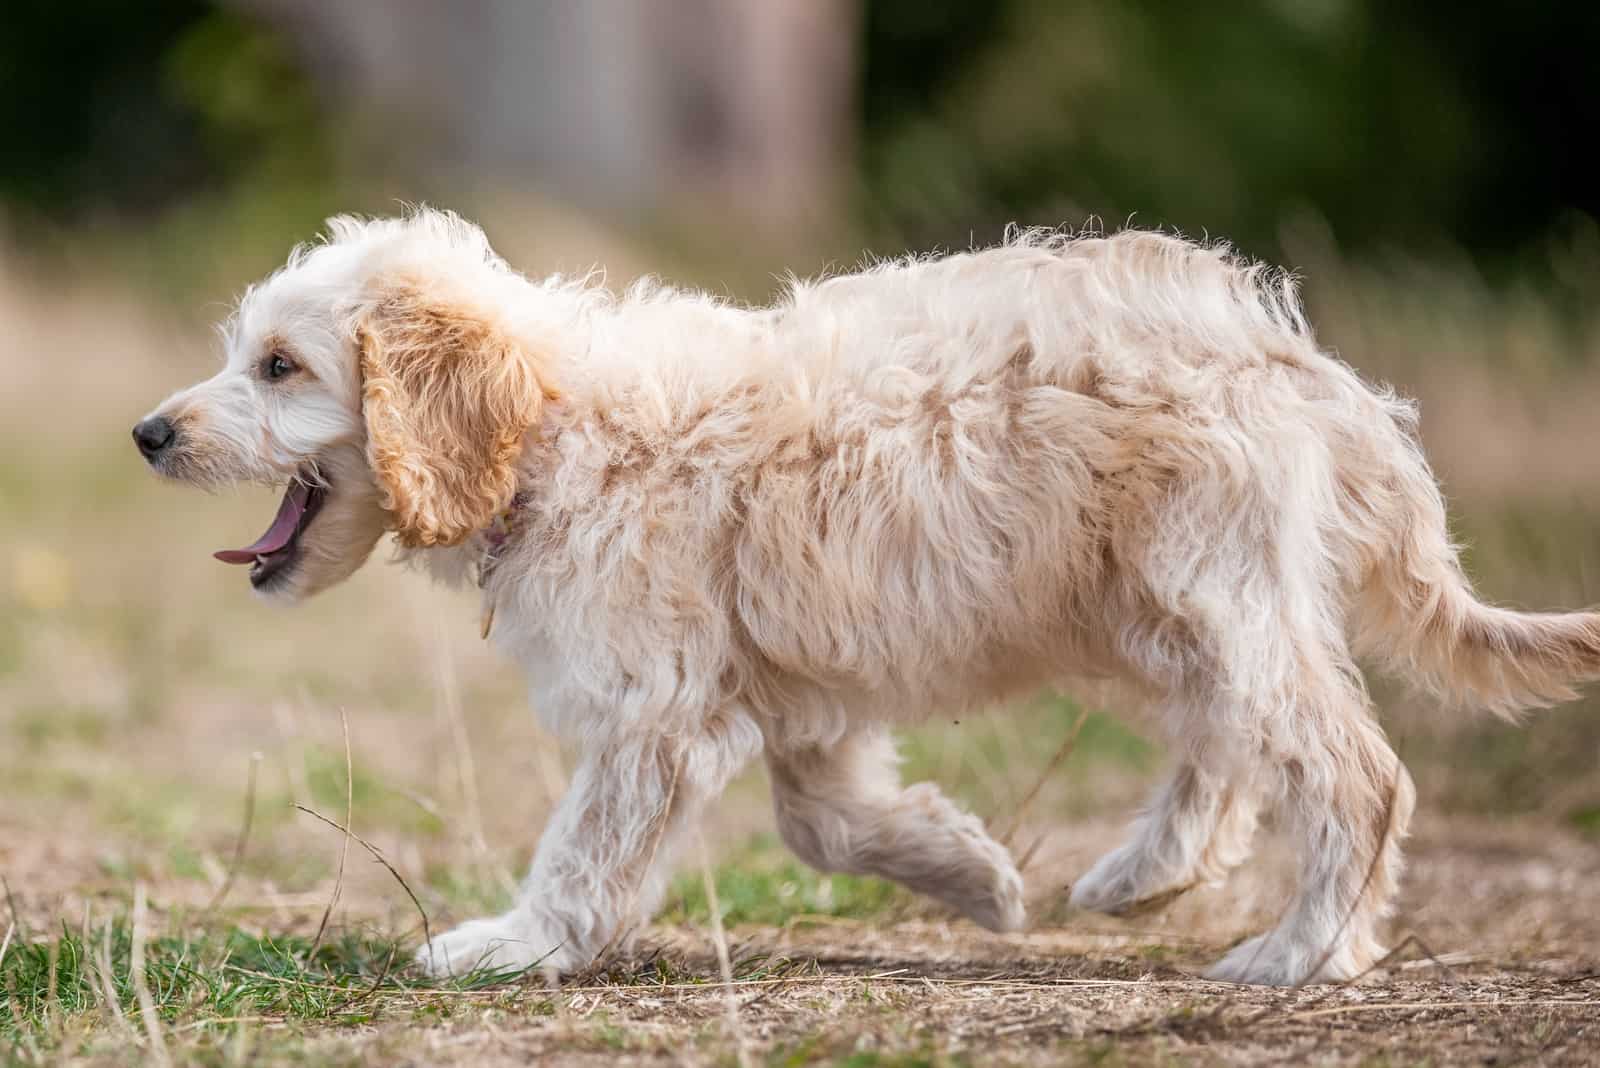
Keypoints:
pixel 600 867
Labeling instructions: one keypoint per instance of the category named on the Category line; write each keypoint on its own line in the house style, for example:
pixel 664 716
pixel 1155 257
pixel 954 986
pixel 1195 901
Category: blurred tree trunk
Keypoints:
pixel 735 108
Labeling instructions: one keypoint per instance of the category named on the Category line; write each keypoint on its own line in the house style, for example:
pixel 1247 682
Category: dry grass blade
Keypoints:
pixel 141 987
pixel 377 984
pixel 243 840
pixel 730 1001
pixel 1028 854
pixel 11 903
pixel 108 991
pixel 1429 1006
pixel 1366 883
pixel 344 847
pixel 427 934
pixel 11 1003
pixel 1407 941
pixel 1056 761
pixel 1333 943
pixel 5 944
pixel 52 993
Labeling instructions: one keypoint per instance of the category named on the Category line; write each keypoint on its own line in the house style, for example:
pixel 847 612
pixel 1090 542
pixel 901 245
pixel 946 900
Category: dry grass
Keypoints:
pixel 147 703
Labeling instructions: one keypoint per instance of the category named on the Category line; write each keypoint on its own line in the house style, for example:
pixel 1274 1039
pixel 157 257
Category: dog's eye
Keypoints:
pixel 277 366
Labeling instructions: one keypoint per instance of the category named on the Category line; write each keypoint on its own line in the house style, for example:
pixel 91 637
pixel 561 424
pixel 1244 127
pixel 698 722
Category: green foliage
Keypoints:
pixel 1401 124
pixel 1398 123
pixel 127 109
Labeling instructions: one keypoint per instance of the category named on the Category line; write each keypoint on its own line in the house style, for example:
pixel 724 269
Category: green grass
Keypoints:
pixel 1585 820
pixel 62 990
pixel 72 992
pixel 764 884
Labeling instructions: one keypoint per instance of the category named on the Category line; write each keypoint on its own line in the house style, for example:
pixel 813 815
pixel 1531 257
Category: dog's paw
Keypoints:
pixel 1121 884
pixel 506 943
pixel 1002 909
pixel 1273 960
pixel 975 874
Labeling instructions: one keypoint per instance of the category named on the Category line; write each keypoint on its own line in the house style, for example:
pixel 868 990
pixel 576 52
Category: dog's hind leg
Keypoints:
pixel 842 808
pixel 1348 800
pixel 1197 827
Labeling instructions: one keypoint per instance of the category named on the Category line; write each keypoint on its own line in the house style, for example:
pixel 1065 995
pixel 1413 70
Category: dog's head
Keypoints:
pixel 383 376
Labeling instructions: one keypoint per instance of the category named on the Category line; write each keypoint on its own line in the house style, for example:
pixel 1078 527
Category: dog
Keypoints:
pixel 710 532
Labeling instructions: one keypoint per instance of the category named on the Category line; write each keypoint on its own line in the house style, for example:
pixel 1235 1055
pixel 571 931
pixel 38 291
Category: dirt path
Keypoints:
pixel 925 994
pixel 1513 917
pixel 1036 1004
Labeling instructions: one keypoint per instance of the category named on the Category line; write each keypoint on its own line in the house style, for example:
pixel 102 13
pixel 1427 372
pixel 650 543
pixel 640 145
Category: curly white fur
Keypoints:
pixel 930 485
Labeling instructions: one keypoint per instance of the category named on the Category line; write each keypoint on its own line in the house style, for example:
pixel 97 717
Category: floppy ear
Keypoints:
pixel 447 398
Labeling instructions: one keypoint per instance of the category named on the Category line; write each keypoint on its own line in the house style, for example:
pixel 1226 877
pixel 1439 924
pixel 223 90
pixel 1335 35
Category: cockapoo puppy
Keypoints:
pixel 709 532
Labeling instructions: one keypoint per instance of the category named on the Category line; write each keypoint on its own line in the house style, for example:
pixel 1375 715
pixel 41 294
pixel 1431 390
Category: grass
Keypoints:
pixel 74 992
pixel 764 885
pixel 201 982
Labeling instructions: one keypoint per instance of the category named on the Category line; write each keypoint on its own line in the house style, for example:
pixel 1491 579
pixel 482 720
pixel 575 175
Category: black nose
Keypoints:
pixel 152 435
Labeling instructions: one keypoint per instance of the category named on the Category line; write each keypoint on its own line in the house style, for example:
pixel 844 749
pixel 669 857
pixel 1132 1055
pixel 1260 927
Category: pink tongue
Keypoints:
pixel 277 535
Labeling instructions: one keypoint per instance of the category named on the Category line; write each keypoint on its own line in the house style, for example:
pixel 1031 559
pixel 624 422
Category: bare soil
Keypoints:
pixel 1502 966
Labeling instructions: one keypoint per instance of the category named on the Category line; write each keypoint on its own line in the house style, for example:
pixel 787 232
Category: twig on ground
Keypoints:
pixel 1366 884
pixel 730 1000
pixel 427 935
pixel 344 847
pixel 383 973
pixel 1407 940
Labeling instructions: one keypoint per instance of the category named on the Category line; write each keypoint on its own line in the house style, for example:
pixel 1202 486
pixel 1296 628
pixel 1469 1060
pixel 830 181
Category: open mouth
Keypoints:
pixel 274 553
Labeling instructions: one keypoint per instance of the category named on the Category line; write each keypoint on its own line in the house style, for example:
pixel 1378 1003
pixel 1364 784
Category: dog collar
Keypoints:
pixel 495 538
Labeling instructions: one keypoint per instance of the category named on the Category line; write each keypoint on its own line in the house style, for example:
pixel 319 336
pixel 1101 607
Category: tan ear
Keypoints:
pixel 448 398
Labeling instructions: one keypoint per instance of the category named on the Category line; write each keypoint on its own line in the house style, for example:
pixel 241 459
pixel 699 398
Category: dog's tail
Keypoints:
pixel 1417 612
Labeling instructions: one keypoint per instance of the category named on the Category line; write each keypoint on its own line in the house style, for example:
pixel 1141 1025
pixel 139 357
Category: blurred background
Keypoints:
pixel 1426 168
